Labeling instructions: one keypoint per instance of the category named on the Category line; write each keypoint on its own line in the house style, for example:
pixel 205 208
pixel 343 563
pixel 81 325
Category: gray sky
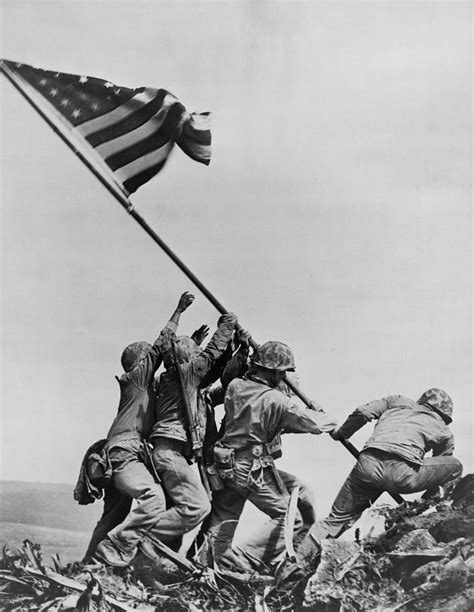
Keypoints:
pixel 335 216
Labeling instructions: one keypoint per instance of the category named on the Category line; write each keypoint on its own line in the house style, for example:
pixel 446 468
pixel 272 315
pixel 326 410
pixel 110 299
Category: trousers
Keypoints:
pixel 375 472
pixel 190 504
pixel 131 477
pixel 116 508
pixel 228 504
pixel 260 545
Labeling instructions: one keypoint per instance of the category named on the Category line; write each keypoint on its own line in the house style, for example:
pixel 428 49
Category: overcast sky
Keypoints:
pixel 335 215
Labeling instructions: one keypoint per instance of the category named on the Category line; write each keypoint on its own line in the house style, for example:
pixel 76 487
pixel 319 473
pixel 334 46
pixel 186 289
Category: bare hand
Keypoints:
pixel 200 334
pixel 228 318
pixel 243 337
pixel 185 301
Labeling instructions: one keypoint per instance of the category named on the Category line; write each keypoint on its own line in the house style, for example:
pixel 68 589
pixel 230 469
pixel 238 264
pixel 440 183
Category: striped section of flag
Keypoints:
pixel 132 130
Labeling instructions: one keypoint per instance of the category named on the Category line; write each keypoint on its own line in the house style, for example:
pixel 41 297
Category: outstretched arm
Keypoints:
pixel 359 417
pixel 185 302
pixel 143 374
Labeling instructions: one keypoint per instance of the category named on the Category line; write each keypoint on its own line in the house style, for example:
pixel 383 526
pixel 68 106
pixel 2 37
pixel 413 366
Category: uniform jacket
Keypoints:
pixel 136 411
pixel 256 413
pixel 404 428
pixel 170 417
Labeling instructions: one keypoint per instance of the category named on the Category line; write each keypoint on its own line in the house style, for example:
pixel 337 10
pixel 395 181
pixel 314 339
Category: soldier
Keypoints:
pixel 132 425
pixel 171 435
pixel 256 412
pixel 393 459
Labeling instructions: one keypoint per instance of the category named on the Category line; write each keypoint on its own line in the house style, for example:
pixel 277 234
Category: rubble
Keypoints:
pixel 423 561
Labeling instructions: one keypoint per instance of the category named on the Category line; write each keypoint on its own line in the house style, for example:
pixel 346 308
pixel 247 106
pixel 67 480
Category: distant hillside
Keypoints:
pixel 69 545
pixel 46 505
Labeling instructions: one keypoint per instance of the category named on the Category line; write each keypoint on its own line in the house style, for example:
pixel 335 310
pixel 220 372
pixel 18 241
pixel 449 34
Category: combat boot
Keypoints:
pixel 110 553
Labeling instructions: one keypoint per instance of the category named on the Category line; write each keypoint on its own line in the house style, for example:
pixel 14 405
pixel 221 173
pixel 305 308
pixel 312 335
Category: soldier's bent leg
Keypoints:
pixel 183 485
pixel 433 472
pixel 116 509
pixel 131 477
pixel 272 501
pixel 227 507
pixel 256 546
pixel 359 491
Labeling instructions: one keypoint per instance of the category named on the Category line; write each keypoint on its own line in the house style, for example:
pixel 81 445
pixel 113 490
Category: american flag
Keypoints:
pixel 132 130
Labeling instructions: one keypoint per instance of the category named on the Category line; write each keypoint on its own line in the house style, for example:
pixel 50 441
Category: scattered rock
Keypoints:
pixel 456 526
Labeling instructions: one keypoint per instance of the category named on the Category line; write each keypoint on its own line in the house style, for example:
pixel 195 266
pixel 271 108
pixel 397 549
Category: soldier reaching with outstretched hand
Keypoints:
pixel 256 411
pixel 393 459
pixel 130 428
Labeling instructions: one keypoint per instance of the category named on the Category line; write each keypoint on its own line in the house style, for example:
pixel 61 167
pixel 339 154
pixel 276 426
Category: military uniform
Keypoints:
pixel 170 438
pixel 255 415
pixel 393 459
pixel 130 476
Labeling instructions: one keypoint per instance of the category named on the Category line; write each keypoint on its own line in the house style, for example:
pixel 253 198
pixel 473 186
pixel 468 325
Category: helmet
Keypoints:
pixel 439 401
pixel 186 349
pixel 274 355
pixel 134 353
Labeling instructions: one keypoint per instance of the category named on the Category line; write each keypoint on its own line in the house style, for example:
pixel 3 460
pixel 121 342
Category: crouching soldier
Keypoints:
pixel 171 435
pixel 256 412
pixel 393 459
pixel 132 425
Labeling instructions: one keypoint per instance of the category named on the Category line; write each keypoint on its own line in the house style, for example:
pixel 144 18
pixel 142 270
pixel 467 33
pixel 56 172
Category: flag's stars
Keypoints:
pixel 83 79
pixel 43 82
pixel 83 96
pixel 76 113
pixel 95 106
pixel 64 102
pixel 57 74
pixel 108 84
pixel 18 65
pixel 117 91
pixel 53 92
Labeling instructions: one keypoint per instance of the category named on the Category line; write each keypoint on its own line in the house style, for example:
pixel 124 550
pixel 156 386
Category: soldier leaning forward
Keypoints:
pixel 255 413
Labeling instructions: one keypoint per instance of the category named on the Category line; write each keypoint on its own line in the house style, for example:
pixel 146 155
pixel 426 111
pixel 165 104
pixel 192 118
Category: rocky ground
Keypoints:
pixel 423 561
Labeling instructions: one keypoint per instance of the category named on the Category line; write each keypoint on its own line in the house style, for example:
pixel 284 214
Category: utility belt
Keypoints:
pixel 225 461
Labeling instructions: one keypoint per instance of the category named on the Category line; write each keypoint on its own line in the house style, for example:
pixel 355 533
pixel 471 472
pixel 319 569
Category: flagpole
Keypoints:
pixel 119 195
pixel 122 198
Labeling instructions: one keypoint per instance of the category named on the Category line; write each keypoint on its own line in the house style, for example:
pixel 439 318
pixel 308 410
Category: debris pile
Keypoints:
pixel 423 561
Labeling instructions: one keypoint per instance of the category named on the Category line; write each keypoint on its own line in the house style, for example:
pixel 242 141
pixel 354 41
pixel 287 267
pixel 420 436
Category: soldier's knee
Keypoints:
pixel 194 514
pixel 457 468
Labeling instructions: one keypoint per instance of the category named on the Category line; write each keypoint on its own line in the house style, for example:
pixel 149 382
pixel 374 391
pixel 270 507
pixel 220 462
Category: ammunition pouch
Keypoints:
pixel 224 462
pixel 216 483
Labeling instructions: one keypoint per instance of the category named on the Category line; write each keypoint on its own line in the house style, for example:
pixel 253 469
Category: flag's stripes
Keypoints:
pixel 145 162
pixel 127 140
pixel 119 113
pixel 196 152
pixel 164 133
pixel 129 123
pixel 132 184
pixel 196 138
